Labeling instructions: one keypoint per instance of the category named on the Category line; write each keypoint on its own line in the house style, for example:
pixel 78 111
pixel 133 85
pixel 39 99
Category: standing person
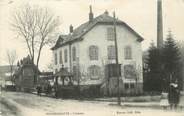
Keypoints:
pixel 164 101
pixel 177 95
pixel 173 95
pixel 48 88
pixel 38 90
pixel 56 90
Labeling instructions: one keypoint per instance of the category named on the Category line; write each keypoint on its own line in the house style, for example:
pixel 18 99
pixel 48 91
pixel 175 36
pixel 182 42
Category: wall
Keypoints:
pixel 97 36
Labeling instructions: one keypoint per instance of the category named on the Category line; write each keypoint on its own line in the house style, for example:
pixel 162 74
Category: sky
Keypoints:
pixel 139 14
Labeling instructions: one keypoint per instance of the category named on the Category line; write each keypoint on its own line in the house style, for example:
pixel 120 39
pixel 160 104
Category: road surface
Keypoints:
pixel 24 104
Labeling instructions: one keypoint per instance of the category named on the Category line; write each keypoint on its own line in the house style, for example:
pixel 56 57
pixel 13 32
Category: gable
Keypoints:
pixel 83 29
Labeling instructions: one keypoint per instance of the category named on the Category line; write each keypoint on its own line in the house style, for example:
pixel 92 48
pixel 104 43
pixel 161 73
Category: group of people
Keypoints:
pixel 46 89
pixel 173 98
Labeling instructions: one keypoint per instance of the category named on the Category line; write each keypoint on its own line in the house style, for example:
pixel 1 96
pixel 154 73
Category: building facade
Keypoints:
pixel 88 49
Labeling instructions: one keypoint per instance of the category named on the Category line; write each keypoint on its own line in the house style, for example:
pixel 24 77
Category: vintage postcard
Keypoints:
pixel 91 57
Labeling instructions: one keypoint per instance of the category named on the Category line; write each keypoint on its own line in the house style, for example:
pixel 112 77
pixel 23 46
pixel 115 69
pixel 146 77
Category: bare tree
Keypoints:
pixel 11 57
pixel 36 27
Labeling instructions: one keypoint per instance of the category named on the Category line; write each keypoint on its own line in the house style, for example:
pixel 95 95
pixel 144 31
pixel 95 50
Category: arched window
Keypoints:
pixel 74 53
pixel 93 52
pixel 94 71
pixel 128 52
pixel 111 52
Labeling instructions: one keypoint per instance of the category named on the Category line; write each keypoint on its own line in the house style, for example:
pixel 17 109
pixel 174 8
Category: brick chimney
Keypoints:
pixel 106 12
pixel 90 14
pixel 71 29
pixel 159 24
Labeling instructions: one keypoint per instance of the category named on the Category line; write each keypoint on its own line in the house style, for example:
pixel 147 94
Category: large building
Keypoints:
pixel 88 50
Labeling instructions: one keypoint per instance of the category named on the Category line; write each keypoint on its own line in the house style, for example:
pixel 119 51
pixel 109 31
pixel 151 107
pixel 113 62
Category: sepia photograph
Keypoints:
pixel 91 58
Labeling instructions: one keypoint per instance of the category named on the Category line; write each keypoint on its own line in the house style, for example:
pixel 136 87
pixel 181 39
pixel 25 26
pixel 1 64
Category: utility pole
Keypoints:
pixel 116 54
pixel 78 77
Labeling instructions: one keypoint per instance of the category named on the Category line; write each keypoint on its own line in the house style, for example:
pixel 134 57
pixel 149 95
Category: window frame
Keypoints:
pixel 111 53
pixel 128 52
pixel 132 85
pixel 110 34
pixel 126 85
pixel 93 52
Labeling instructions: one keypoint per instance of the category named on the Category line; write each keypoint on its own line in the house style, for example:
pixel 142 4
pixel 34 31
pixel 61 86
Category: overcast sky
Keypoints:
pixel 139 14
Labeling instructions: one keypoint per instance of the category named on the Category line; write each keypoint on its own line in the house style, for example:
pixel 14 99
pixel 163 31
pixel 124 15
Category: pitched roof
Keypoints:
pixel 63 73
pixel 86 27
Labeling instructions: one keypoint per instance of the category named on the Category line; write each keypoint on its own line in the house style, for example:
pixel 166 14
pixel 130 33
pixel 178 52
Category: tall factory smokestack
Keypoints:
pixel 159 24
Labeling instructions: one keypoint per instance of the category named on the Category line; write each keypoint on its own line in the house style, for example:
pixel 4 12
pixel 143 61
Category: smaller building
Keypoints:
pixel 26 76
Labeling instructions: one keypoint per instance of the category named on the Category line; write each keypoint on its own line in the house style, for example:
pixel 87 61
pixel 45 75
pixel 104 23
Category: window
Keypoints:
pixel 94 71
pixel 60 57
pixel 55 58
pixel 130 72
pixel 126 85
pixel 93 52
pixel 111 52
pixel 110 33
pixel 128 52
pixel 74 53
pixel 132 86
pixel 66 55
pixel 129 85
